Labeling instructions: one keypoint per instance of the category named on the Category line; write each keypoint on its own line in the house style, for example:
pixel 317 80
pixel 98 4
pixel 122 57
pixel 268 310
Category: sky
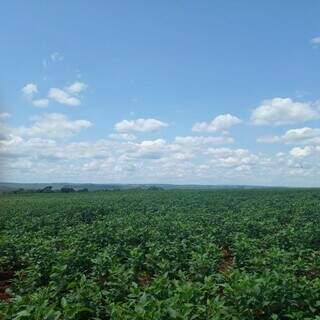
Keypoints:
pixel 174 91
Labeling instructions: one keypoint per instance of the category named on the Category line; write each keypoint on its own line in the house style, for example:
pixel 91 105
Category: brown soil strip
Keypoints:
pixel 6 275
pixel 227 260
pixel 5 280
pixel 226 264
pixel 143 279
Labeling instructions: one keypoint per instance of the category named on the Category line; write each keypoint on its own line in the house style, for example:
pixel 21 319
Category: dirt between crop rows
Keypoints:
pixel 227 260
pixel 5 281
pixel 143 279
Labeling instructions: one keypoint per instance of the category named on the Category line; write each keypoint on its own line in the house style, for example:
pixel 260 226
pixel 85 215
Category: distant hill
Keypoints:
pixel 11 186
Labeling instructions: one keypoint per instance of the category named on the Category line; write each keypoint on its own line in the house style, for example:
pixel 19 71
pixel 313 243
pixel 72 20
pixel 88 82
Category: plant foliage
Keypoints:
pixel 156 254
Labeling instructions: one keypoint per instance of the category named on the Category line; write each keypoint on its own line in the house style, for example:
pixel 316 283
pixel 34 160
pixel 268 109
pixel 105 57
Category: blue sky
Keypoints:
pixel 208 92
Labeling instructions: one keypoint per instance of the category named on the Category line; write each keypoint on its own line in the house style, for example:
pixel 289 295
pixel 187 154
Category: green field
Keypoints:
pixel 156 254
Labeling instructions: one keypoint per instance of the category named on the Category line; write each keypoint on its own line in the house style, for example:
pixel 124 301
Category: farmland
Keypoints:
pixel 161 254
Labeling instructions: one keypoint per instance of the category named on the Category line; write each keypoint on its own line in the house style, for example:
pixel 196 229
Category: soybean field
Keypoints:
pixel 161 254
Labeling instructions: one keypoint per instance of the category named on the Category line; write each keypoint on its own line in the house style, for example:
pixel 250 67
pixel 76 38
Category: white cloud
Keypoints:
pixel 281 111
pixel 42 150
pixel 140 125
pixel 4 115
pixel 122 136
pixel 227 152
pixel 70 95
pixel 269 139
pixel 220 123
pixel 303 136
pixel 298 152
pixel 54 125
pixel 315 40
pixel 200 140
pixel 232 157
pixel 30 89
pixel 302 161
pixel 109 160
pixel 63 97
pixel 76 87
pixel 56 56
pixel 149 149
pixel 40 103
pixel 241 160
pixel 182 148
pixel 100 149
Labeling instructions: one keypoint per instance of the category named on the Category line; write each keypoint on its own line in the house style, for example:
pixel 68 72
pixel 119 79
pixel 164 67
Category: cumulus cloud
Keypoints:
pixel 220 123
pixel 315 40
pixel 56 56
pixel 54 125
pixel 149 149
pixel 122 136
pixel 269 139
pixel 175 161
pixel 100 149
pixel 29 90
pixel 304 136
pixel 76 87
pixel 139 125
pixel 303 159
pixel 200 140
pixel 4 115
pixel 298 152
pixel 182 148
pixel 41 149
pixel 40 103
pixel 281 111
pixel 70 95
pixel 227 157
pixel 63 97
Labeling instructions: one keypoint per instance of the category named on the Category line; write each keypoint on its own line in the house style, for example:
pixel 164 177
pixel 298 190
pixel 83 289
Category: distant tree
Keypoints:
pixel 155 188
pixel 67 189
pixel 46 189
pixel 83 190
pixel 20 190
